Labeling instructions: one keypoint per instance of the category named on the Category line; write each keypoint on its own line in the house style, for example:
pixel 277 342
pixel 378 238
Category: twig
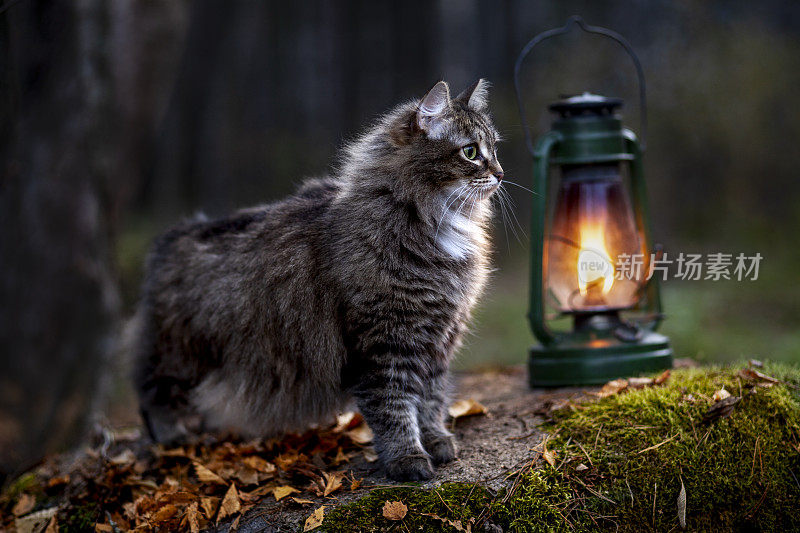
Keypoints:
pixel 584 453
pixel 659 444
pixel 594 491
pixel 655 494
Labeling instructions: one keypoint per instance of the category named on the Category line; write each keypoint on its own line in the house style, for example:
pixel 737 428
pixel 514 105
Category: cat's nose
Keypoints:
pixel 499 175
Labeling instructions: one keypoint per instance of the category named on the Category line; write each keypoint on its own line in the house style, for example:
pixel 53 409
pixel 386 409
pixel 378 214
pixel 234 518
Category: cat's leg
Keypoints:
pixel 436 439
pixel 389 403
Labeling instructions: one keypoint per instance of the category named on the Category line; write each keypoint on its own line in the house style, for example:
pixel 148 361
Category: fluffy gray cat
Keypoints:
pixel 358 286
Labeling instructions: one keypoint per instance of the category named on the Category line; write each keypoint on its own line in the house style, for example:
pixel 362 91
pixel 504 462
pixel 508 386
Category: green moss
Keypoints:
pixel 538 504
pixel 79 518
pixel 451 501
pixel 741 472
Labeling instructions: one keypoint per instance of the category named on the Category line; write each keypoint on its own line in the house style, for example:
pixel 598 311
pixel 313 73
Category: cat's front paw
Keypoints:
pixel 410 468
pixel 442 448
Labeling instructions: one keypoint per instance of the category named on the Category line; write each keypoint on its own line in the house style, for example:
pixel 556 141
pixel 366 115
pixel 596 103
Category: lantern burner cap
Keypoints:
pixel 586 104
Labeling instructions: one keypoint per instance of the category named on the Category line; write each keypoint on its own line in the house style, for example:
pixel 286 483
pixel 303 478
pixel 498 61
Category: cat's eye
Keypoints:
pixel 470 151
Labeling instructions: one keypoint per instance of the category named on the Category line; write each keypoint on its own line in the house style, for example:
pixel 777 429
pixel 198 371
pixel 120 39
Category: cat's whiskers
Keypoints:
pixel 521 187
pixel 457 192
pixel 510 203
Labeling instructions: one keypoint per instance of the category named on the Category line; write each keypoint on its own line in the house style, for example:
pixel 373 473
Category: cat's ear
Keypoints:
pixel 432 107
pixel 476 95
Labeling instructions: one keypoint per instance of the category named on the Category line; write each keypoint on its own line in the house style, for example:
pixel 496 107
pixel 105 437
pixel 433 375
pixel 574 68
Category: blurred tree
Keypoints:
pixel 57 147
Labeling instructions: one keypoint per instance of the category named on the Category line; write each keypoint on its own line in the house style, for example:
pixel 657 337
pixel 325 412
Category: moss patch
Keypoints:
pixel 621 462
pixel 452 501
pixel 739 472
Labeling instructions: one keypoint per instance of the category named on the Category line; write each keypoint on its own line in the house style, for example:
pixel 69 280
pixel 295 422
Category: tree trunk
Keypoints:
pixel 57 144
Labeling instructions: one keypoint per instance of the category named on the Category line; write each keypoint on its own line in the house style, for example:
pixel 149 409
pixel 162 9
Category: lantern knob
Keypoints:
pixel 586 104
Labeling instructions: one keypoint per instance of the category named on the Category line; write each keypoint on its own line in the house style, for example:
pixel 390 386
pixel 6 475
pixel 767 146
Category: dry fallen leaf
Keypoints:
pixel 209 506
pixel 333 481
pixel 394 510
pixel 315 520
pixel 549 456
pixel 103 528
pixel 612 387
pixel 721 409
pixel 581 467
pixel 760 378
pixel 191 517
pixel 356 483
pixel 461 408
pixel 283 491
pixel 38 521
pixel 165 513
pixel 257 463
pixel 301 501
pixel 230 503
pixel 361 434
pixel 207 476
pixel 720 395
pixel 455 524
pixel 24 505
pixel 640 383
pixel 662 377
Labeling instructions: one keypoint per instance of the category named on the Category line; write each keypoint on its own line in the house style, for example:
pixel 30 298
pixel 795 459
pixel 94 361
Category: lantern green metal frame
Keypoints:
pixel 601 345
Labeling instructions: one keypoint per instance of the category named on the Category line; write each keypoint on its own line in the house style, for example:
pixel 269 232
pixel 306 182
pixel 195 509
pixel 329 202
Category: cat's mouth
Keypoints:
pixel 486 186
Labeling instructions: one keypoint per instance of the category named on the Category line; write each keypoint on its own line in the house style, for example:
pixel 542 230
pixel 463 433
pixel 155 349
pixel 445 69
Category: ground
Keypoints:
pixel 716 449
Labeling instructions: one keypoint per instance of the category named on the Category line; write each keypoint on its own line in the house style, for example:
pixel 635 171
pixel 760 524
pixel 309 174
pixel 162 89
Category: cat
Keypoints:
pixel 359 286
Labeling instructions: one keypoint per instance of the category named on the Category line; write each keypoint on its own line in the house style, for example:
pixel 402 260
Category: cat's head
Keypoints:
pixel 449 144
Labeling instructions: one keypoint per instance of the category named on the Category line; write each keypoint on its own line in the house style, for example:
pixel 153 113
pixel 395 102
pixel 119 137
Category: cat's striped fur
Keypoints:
pixel 358 286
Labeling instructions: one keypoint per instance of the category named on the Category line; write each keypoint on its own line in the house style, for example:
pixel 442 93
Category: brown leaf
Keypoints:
pixel 247 476
pixel 56 481
pixel 24 505
pixel 315 520
pixel 662 377
pixel 165 513
pixel 333 481
pixel 207 476
pixel 283 491
pixel 209 506
pixel 356 483
pixel 257 463
pixel 52 525
pixel 550 457
pixel 230 503
pixel 394 510
pixel 469 407
pixel 612 387
pixel 191 517
pixel 760 378
pixel 721 409
pixel 640 383
pixel 361 434
pixel 301 501
pixel 103 528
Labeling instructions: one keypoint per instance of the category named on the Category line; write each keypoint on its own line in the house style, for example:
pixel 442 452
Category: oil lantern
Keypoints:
pixel 591 249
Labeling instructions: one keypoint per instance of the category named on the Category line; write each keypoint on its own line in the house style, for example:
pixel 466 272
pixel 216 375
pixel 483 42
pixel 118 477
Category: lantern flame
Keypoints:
pixel 594 262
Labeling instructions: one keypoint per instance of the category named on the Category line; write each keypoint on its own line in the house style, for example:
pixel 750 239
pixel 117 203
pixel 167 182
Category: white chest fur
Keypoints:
pixel 459 235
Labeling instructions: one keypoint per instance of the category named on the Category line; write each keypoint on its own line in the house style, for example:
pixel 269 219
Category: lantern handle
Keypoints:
pixel 578 20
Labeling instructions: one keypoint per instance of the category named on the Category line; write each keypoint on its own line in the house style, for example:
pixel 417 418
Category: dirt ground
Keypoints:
pixel 491 445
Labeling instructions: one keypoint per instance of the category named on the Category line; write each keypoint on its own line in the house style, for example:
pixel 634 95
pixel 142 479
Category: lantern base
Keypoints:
pixel 597 362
